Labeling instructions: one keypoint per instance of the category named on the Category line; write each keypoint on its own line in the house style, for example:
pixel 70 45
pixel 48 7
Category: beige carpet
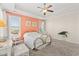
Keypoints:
pixel 58 48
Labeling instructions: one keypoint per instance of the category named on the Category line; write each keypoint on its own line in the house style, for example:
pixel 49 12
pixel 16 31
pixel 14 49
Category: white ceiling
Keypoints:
pixel 59 8
pixel 32 8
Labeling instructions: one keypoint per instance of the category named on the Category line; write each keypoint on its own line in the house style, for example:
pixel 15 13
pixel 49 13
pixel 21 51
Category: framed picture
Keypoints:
pixel 34 24
pixel 28 23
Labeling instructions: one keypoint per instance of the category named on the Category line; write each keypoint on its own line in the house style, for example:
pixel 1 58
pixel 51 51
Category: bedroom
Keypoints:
pixel 25 22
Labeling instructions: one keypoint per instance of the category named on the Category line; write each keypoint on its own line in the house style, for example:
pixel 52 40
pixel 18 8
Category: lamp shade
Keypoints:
pixel 2 23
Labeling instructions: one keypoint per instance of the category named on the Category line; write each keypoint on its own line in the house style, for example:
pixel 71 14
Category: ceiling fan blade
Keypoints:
pixel 44 3
pixel 49 6
pixel 50 10
pixel 40 7
pixel 44 13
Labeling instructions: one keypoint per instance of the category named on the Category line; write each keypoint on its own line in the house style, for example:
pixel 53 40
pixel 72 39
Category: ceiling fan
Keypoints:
pixel 46 8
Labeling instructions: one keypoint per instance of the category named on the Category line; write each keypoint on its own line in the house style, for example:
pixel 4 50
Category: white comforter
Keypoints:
pixel 30 37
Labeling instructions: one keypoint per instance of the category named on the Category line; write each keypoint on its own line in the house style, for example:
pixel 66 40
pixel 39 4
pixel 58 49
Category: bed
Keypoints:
pixel 35 40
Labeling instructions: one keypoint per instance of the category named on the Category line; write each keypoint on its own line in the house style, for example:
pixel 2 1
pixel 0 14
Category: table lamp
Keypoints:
pixel 2 30
pixel 2 23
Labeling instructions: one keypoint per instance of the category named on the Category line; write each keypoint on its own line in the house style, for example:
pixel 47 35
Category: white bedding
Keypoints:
pixel 30 37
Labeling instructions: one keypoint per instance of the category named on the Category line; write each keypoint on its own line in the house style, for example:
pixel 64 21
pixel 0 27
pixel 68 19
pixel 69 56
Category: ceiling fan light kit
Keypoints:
pixel 46 9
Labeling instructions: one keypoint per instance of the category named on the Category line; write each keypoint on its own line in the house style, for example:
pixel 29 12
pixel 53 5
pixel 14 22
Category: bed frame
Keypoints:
pixel 43 41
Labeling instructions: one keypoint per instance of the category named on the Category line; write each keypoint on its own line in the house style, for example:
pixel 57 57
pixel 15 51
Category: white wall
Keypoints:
pixel 68 22
pixel 77 28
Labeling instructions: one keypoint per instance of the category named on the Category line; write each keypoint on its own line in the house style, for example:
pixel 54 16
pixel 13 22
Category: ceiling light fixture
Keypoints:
pixel 46 9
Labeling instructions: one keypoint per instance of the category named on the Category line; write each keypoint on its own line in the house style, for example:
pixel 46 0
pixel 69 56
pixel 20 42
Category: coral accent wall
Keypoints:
pixel 29 28
pixel 28 24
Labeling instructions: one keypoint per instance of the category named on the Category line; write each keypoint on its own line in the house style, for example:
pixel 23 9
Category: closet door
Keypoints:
pixel 14 23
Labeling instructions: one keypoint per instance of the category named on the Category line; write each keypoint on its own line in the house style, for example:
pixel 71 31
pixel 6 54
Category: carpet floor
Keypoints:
pixel 58 48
